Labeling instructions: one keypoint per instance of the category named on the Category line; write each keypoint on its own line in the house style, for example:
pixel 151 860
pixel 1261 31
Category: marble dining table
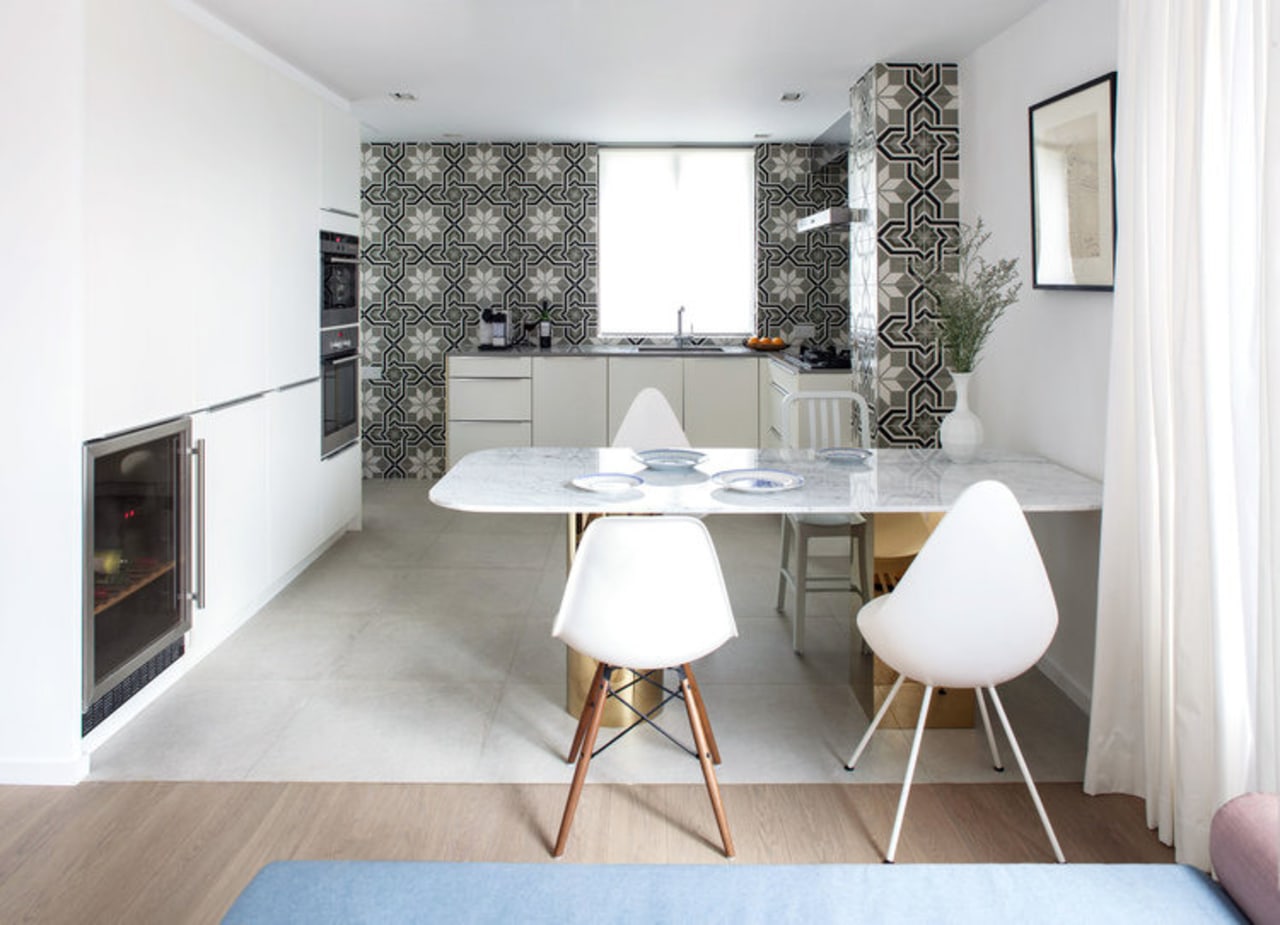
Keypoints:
pixel 541 480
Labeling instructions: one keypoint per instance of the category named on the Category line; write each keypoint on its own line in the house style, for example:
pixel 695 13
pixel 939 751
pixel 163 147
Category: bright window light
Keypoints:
pixel 677 228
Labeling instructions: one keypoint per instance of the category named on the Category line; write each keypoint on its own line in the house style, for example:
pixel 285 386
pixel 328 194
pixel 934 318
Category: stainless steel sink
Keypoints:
pixel 671 350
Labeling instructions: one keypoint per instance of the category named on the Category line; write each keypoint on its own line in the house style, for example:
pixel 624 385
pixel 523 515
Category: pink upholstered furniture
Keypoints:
pixel 1243 841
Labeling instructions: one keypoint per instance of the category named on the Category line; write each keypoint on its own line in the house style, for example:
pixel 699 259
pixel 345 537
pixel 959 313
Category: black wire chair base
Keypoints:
pixel 643 717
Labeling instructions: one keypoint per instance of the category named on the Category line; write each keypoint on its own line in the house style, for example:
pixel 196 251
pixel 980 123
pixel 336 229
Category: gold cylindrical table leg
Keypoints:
pixel 644 697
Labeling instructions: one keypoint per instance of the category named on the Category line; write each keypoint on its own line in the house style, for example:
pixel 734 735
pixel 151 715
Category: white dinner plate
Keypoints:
pixel 670 458
pixel 758 481
pixel 844 454
pixel 608 483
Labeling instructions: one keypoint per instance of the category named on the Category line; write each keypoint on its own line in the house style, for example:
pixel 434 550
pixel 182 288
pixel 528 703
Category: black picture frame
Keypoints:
pixel 1073 181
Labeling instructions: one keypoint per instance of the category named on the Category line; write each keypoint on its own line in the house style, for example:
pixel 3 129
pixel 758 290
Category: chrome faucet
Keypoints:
pixel 680 326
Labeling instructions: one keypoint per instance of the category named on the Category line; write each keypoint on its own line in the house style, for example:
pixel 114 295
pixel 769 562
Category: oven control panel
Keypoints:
pixel 339 341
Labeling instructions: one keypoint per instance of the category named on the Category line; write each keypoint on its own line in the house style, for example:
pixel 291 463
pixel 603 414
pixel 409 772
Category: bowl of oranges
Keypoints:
pixel 764 343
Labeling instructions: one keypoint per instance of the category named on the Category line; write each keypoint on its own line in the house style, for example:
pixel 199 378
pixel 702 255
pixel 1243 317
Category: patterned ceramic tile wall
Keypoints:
pixel 449 230
pixel 802 278
pixel 912 113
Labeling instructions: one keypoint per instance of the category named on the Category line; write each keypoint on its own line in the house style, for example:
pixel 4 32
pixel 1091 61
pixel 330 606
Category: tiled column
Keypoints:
pixel 904 167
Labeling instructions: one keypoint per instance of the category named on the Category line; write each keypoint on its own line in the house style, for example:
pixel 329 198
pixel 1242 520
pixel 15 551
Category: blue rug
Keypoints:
pixel 353 892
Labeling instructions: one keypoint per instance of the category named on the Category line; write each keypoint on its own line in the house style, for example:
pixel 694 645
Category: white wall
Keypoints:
pixel 41 150
pixel 1042 382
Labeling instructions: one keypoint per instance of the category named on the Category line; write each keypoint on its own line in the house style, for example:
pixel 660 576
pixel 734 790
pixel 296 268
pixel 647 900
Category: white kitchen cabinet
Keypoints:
pixel 489 403
pixel 297 496
pixel 340 487
pixel 720 401
pixel 570 404
pixel 235 544
pixel 291 316
pixel 784 380
pixel 628 375
pixel 198 263
pixel 339 160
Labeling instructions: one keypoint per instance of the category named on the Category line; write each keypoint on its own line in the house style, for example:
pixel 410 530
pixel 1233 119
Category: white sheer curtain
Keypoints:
pixel 1184 710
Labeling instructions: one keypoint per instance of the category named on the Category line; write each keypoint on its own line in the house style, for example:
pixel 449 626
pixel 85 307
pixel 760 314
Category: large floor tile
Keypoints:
pixel 382 731
pixel 420 649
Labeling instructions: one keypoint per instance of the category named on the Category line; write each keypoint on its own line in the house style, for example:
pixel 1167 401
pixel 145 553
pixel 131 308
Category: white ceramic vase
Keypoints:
pixel 961 430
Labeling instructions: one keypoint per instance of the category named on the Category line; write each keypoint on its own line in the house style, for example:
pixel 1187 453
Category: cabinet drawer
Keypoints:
pixel 776 394
pixel 491 367
pixel 468 436
pixel 489 399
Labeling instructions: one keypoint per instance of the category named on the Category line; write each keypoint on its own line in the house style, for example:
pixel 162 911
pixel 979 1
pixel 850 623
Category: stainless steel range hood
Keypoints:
pixel 829 149
pixel 836 217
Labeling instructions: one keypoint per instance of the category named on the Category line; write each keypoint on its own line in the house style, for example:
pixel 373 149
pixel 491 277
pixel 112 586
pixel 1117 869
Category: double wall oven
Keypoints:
pixel 339 341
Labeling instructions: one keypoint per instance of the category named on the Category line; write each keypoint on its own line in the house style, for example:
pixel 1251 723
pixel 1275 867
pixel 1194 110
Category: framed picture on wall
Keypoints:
pixel 1073 210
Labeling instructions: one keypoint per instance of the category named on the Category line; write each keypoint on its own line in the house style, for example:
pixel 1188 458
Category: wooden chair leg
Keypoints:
pixel 584 759
pixel 708 770
pixel 585 717
pixel 702 711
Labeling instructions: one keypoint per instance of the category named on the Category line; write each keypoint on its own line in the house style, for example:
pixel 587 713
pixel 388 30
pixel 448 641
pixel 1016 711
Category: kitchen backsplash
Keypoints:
pixel 449 230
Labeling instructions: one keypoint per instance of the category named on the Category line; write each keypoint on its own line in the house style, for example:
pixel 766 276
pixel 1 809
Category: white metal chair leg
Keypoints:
pixel 866 736
pixel 986 724
pixel 784 557
pixel 801 573
pixel 911 770
pixel 1026 775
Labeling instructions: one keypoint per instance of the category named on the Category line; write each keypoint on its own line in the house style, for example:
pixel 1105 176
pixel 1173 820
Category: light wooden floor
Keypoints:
pixel 164 852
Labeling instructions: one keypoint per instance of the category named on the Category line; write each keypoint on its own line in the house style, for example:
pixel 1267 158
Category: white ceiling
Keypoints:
pixel 657 71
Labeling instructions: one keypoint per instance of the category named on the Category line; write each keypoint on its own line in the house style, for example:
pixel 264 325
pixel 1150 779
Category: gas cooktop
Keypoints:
pixel 823 358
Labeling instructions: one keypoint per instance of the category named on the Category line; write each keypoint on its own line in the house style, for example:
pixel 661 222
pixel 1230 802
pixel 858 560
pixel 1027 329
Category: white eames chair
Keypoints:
pixel 975 609
pixel 823 420
pixel 645 593
pixel 650 424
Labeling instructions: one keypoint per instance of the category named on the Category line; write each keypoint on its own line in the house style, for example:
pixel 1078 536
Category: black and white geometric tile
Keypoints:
pixel 451 230
pixel 905 163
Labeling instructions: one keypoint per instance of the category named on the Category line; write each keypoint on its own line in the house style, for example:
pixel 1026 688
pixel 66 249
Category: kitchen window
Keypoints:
pixel 677 228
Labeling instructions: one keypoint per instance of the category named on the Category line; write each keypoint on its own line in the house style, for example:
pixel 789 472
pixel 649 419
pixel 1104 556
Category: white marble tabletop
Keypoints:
pixel 539 480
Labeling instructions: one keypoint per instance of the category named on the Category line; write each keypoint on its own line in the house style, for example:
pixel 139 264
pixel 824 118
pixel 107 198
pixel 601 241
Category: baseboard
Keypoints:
pixel 1076 692
pixel 45 773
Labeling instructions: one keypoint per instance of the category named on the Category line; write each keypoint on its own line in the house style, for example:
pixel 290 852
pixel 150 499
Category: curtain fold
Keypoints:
pixel 1184 699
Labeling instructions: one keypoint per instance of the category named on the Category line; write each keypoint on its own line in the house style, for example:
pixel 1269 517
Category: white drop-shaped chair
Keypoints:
pixel 823 419
pixel 975 609
pixel 650 424
pixel 645 593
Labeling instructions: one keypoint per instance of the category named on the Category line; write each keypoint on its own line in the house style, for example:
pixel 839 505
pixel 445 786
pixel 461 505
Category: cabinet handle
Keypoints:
pixel 197 595
pixel 779 389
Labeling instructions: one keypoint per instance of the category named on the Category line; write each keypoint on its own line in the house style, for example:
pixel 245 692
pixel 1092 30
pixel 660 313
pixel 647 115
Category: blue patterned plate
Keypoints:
pixel 844 454
pixel 757 481
pixel 608 483
pixel 670 458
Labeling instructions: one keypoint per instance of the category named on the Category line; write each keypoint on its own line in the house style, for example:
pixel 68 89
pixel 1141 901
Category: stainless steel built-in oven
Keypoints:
pixel 339 388
pixel 339 279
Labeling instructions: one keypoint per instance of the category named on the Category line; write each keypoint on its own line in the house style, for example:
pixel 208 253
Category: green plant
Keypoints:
pixel 971 300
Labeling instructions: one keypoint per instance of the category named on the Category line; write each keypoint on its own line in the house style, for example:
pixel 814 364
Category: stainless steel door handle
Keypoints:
pixel 198 593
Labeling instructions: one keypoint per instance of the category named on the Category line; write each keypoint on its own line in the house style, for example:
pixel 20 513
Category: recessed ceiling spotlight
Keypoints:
pixel 452 135
pixel 791 96
pixel 403 96
pixel 763 135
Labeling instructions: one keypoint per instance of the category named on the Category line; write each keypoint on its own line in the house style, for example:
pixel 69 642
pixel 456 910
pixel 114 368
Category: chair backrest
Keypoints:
pixel 645 592
pixel 824 419
pixel 650 424
pixel 975 608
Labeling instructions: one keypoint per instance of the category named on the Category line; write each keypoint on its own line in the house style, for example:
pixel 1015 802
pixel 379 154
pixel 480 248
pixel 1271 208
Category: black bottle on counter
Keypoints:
pixel 544 327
